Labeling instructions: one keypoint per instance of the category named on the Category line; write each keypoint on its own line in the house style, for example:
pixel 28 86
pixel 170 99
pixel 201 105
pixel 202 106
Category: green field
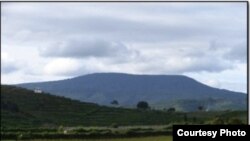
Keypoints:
pixel 157 138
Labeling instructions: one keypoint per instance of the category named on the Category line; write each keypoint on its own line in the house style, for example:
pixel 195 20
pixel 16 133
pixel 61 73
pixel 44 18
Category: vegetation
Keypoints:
pixel 84 132
pixel 171 109
pixel 28 115
pixel 114 102
pixel 143 105
pixel 23 108
pixel 45 110
pixel 154 138
pixel 200 108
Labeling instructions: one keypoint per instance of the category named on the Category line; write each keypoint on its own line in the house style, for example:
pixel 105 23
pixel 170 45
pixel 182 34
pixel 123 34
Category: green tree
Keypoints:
pixel 142 105
pixel 114 125
pixel 200 108
pixel 114 102
pixel 171 109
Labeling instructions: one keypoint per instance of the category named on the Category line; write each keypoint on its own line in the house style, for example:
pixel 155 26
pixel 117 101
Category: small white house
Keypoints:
pixel 38 91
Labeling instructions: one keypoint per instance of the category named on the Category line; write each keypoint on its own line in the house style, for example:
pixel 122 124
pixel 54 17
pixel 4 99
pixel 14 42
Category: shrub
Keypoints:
pixel 234 121
pixel 142 105
pixel 60 129
pixel 171 109
pixel 114 125
pixel 217 120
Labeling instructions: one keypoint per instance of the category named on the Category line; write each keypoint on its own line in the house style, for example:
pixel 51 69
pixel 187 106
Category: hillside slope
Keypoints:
pixel 160 91
pixel 22 107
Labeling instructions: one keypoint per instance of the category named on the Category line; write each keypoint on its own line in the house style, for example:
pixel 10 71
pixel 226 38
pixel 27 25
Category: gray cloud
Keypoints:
pixel 167 25
pixel 182 64
pixel 8 64
pixel 237 52
pixel 8 68
pixel 231 51
pixel 154 38
pixel 86 48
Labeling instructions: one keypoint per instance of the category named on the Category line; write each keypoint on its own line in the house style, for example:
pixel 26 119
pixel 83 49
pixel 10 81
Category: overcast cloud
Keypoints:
pixel 51 41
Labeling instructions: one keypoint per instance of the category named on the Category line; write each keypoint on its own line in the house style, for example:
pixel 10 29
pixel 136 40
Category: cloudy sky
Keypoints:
pixel 52 41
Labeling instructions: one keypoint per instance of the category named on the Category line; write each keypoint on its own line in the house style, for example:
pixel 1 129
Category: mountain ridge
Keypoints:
pixel 128 89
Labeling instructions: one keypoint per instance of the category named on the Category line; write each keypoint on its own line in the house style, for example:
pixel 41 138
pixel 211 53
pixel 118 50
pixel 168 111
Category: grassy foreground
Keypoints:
pixel 155 138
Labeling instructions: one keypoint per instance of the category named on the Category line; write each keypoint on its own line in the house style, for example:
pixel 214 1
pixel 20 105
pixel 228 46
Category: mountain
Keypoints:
pixel 160 91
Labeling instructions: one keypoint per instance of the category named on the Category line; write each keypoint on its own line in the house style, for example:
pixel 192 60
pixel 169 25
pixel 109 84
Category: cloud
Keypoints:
pixel 8 64
pixel 61 67
pixel 232 79
pixel 164 58
pixel 237 52
pixel 183 57
pixel 174 58
pixel 181 64
pixel 143 38
pixel 131 22
pixel 86 48
pixel 213 83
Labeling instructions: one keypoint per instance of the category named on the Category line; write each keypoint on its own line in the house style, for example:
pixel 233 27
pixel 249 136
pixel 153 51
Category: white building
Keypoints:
pixel 38 91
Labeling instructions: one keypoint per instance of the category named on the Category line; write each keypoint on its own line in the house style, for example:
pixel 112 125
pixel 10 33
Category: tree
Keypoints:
pixel 171 109
pixel 114 102
pixel 200 108
pixel 142 105
pixel 114 125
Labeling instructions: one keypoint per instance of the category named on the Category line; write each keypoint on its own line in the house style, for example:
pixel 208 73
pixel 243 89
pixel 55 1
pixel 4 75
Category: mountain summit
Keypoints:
pixel 160 91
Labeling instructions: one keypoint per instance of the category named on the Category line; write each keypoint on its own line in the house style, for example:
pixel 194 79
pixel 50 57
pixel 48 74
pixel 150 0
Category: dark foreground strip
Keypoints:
pixel 25 136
